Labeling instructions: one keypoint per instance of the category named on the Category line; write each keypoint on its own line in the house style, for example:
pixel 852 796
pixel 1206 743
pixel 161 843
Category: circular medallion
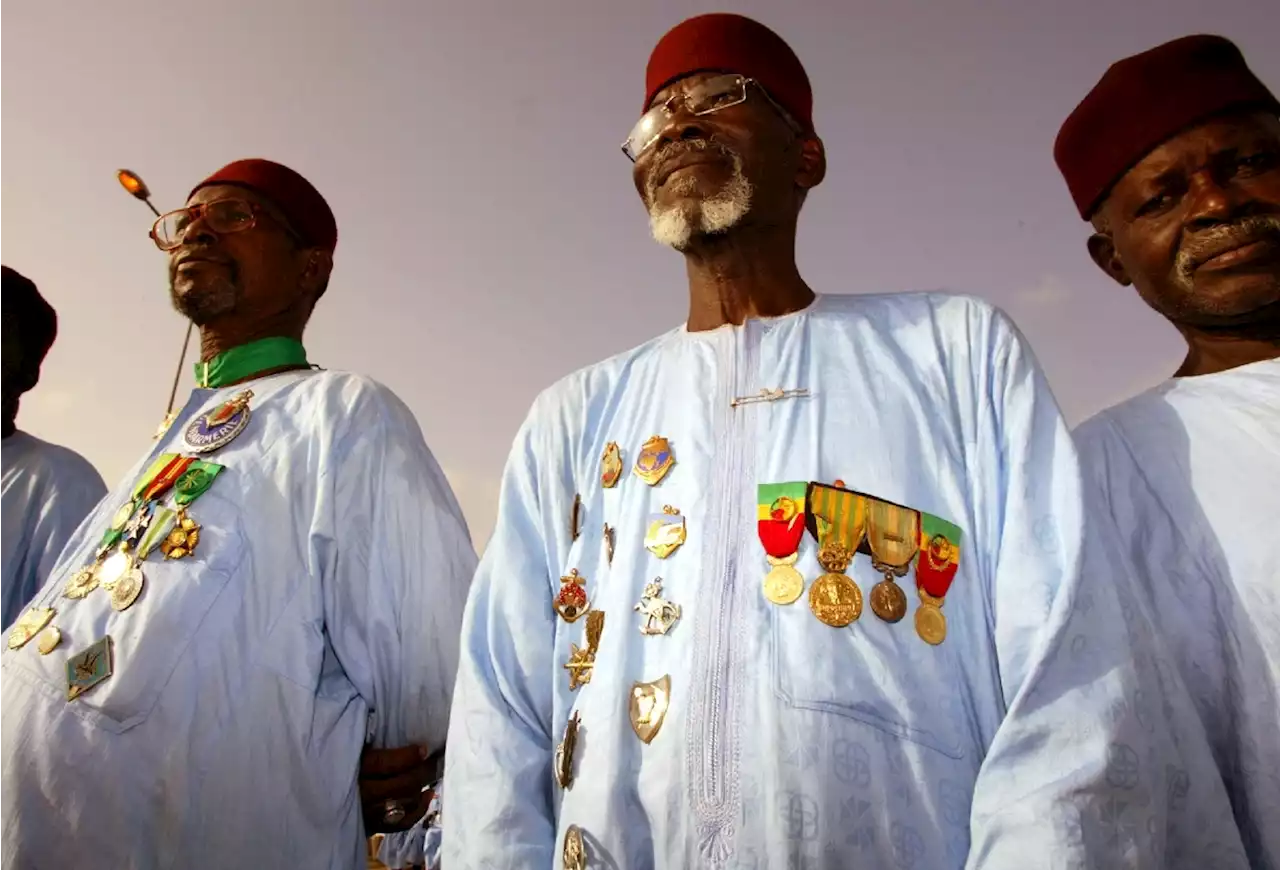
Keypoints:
pixel 888 601
pixel 783 584
pixel 835 600
pixel 127 589
pixel 81 583
pixel 49 640
pixel 218 427
pixel 931 625
pixel 112 568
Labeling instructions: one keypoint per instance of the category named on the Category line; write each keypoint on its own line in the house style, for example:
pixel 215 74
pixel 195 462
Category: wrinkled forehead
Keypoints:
pixel 215 192
pixel 685 83
pixel 1200 143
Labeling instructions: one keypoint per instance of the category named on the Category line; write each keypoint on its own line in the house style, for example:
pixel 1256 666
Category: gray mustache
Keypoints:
pixel 1218 240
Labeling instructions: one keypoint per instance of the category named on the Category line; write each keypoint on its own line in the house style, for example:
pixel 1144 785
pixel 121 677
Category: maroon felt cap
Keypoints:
pixel 1143 100
pixel 721 42
pixel 301 203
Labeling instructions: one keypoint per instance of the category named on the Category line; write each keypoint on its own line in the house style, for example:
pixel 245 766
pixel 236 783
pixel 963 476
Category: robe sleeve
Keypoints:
pixel 402 564
pixel 499 811
pixel 1100 761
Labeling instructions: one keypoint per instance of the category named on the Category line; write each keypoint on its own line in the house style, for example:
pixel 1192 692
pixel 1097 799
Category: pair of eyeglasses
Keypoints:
pixel 222 216
pixel 704 98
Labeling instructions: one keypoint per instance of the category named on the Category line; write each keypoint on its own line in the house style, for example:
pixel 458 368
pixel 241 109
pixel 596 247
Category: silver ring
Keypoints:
pixel 393 812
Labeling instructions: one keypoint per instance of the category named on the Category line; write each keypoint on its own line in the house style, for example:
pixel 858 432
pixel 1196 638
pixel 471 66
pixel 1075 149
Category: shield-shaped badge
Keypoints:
pixel 649 702
pixel 665 532
pixel 611 465
pixel 655 460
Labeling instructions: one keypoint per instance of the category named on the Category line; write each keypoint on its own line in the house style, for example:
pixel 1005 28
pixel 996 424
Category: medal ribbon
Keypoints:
pixel 894 535
pixel 247 360
pixel 168 474
pixel 780 516
pixel 837 516
pixel 939 555
pixel 195 480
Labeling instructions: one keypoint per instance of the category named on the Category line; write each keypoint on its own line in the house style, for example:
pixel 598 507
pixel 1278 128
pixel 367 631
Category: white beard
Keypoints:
pixel 676 226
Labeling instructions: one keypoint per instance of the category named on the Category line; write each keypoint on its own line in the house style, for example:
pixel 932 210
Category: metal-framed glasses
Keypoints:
pixel 705 97
pixel 222 216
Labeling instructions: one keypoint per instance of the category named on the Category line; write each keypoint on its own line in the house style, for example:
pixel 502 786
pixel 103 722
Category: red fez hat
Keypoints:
pixel 731 43
pixel 301 203
pixel 1143 100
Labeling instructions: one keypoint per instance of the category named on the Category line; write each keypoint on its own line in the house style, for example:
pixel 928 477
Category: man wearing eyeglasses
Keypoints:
pixel 802 583
pixel 48 489
pixel 278 581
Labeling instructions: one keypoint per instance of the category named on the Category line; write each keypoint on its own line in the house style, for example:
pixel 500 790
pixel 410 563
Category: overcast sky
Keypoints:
pixel 490 240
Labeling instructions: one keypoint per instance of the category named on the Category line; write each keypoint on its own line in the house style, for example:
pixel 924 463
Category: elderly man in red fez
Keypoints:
pixel 1175 158
pixel 800 583
pixel 278 582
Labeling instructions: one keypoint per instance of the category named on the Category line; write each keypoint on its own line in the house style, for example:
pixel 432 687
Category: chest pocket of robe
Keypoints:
pixel 152 639
pixel 876 673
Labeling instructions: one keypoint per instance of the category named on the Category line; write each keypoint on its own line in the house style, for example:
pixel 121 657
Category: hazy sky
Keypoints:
pixel 490 240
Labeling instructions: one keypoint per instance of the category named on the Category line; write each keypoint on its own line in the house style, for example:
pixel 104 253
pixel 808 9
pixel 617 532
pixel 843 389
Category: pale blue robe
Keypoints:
pixel 47 491
pixel 1036 735
pixel 322 603
pixel 1189 474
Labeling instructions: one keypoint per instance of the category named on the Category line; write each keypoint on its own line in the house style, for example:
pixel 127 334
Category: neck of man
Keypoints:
pixel 1209 353
pixel 9 422
pixel 216 338
pixel 740 275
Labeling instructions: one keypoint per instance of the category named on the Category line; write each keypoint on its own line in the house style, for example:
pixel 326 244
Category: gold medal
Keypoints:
pixel 29 625
pixel 49 640
pixel 564 752
pixel 111 569
pixel 648 707
pixel 658 613
pixel 582 659
pixel 931 624
pixel 127 589
pixel 654 461
pixel 888 601
pixel 81 583
pixel 611 465
pixel 835 599
pixel 571 601
pixel 666 532
pixel 184 538
pixel 122 515
pixel 574 855
pixel 783 584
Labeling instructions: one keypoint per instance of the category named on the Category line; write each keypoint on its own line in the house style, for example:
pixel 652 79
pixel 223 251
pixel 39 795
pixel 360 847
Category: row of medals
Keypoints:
pixel 117 562
pixel 837 601
pixel 649 701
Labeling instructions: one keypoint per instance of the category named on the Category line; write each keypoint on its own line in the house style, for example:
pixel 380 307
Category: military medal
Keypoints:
pixel 29 625
pixel 112 568
pixel 894 537
pixel 574 856
pixel 49 640
pixel 162 524
pixel 648 707
pixel 582 659
pixel 194 480
pixel 608 542
pixel 658 614
pixel 88 668
pixel 127 588
pixel 183 538
pixel 780 524
pixel 564 752
pixel 611 465
pixel 81 583
pixel 654 461
pixel 838 520
pixel 935 570
pixel 571 602
pixel 219 427
pixel 575 516
pixel 666 532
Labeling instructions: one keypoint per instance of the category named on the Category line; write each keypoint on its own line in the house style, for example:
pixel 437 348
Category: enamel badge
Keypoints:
pixel 219 427
pixel 649 702
pixel 88 668
pixel 654 461
pixel 29 625
pixel 666 532
pixel 571 602
pixel 611 465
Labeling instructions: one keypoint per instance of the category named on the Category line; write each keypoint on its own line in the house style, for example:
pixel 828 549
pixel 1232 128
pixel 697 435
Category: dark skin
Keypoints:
pixel 263 282
pixel 750 270
pixel 239 287
pixel 1195 228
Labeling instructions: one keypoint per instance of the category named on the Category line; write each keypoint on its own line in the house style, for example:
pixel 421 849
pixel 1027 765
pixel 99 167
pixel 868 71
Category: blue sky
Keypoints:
pixel 490 238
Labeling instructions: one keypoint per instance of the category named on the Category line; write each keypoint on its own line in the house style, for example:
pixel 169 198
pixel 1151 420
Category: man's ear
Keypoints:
pixel 1102 248
pixel 813 163
pixel 315 275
